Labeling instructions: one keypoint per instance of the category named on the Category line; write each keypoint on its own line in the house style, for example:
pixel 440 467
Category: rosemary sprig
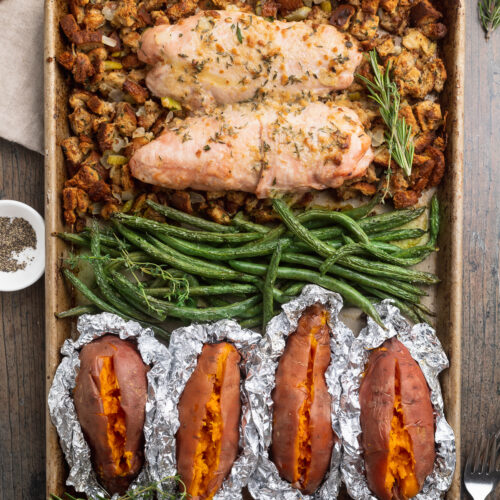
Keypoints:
pixel 398 134
pixel 150 491
pixel 489 14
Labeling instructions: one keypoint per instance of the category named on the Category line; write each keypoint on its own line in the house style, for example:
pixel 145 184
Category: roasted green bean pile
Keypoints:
pixel 149 271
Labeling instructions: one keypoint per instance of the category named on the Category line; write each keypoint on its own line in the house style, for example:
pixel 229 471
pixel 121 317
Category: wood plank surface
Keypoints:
pixel 22 339
pixel 481 301
pixel 22 389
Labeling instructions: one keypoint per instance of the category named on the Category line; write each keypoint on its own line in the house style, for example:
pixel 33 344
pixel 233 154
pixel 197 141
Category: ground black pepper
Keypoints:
pixel 16 235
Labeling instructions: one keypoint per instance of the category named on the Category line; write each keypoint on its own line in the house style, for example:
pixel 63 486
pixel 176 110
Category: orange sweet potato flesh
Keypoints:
pixel 303 438
pixel 209 415
pixel 110 397
pixel 397 423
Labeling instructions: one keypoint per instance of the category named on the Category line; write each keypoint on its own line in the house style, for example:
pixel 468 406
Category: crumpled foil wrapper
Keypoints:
pixel 185 346
pixel 425 348
pixel 266 483
pixel 62 409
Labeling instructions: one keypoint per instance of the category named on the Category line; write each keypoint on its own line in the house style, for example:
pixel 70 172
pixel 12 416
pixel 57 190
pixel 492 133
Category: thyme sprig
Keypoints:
pixel 150 491
pixel 489 14
pixel 179 285
pixel 398 134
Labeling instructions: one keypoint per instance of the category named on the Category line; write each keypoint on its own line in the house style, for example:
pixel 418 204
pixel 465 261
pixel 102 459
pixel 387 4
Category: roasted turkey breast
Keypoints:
pixel 223 57
pixel 266 149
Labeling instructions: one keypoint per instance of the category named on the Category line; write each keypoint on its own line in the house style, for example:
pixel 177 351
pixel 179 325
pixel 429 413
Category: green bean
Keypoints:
pixel 294 288
pixel 434 221
pixel 109 239
pixel 122 262
pixel 299 230
pixel 393 258
pixel 186 234
pixel 420 316
pixel 177 273
pixel 252 311
pixel 267 292
pixel 251 322
pixel 403 307
pixel 414 289
pixel 356 277
pixel 104 286
pixel 299 246
pixel 373 224
pixel 388 270
pixel 339 286
pixel 192 313
pixel 348 249
pixel 363 210
pixel 353 227
pixel 146 303
pixel 425 310
pixel 173 258
pixel 385 246
pixel 103 306
pixel 241 223
pixel 200 267
pixel 281 297
pixel 196 291
pixel 77 311
pixel 397 235
pixel 83 241
pixel 389 220
pixel 327 233
pixel 373 268
pixel 211 253
pixel 75 238
pixel 89 295
pixel 179 216
pixel 415 252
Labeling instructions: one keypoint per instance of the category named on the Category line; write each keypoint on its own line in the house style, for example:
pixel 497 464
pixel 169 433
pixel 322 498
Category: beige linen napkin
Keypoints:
pixel 21 72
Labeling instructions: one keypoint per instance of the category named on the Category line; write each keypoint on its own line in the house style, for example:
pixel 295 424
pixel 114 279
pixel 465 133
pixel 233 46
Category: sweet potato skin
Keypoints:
pixel 131 376
pixel 376 396
pixel 289 395
pixel 192 412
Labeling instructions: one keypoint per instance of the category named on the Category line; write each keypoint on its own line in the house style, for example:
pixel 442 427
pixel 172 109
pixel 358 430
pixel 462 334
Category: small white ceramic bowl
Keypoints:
pixel 23 278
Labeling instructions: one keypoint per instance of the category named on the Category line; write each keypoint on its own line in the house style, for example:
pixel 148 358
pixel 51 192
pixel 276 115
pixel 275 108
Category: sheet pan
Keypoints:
pixel 447 298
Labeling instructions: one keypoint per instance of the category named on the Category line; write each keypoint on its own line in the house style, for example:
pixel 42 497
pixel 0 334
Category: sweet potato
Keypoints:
pixel 397 423
pixel 209 415
pixel 110 398
pixel 303 438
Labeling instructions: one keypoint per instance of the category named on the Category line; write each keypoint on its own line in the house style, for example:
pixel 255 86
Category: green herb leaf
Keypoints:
pixel 398 134
pixel 145 492
pixel 489 15
pixel 239 36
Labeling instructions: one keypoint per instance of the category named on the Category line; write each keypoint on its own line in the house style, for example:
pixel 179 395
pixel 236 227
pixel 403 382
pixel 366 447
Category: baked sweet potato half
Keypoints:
pixel 303 437
pixel 397 423
pixel 209 415
pixel 110 398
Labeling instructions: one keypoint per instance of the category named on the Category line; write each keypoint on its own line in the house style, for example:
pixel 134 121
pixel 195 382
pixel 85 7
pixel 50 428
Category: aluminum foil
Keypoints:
pixel 266 483
pixel 425 348
pixel 185 345
pixel 62 409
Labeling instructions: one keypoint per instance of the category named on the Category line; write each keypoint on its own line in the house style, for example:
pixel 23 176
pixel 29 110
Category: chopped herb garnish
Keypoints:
pixel 239 36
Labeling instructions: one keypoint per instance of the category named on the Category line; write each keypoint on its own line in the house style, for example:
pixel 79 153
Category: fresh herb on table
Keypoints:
pixel 150 491
pixel 398 134
pixel 489 15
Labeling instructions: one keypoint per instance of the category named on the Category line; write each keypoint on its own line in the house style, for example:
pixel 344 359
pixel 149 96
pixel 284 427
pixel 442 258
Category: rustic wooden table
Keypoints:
pixel 22 384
